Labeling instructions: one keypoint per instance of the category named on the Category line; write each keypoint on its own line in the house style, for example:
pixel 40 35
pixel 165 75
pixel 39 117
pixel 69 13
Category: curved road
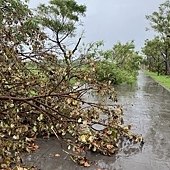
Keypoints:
pixel 147 108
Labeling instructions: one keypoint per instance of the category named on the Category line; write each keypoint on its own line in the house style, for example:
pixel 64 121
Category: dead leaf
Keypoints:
pixel 129 126
pixel 85 123
pixel 57 155
pixel 122 121
pixel 32 147
pixel 118 111
pixel 29 139
pixel 80 150
pixel 20 168
pixel 69 100
pixel 35 147
pixel 86 164
pixel 109 146
pixel 81 162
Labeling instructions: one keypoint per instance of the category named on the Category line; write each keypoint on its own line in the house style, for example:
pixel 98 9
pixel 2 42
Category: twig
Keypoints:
pixel 55 134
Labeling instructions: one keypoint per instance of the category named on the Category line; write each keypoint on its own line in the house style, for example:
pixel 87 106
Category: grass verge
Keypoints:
pixel 162 79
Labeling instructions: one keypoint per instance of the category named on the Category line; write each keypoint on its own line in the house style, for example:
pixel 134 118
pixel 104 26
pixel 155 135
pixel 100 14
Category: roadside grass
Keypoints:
pixel 162 79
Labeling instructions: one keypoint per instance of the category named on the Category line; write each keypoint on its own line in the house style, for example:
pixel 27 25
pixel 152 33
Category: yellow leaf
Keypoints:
pixel 79 120
pixel 29 139
pixel 34 129
pixel 74 102
pixel 83 138
pixel 40 117
pixel 69 147
pixel 126 128
pixel 12 125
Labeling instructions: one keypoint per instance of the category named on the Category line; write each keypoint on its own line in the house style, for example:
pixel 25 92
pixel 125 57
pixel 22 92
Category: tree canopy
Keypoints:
pixel 159 21
pixel 120 64
pixel 159 57
pixel 61 17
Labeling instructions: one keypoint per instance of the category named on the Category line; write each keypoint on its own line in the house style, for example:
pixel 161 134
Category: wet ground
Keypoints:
pixel 147 108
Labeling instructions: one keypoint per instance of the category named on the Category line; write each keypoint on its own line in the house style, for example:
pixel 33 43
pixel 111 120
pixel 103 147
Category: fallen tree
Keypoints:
pixel 44 92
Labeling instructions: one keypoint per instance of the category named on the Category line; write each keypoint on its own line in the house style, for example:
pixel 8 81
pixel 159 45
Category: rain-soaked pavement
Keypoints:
pixel 147 108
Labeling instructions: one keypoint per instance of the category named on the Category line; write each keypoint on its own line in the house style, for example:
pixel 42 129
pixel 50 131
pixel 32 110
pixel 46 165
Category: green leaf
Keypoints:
pixel 40 117
pixel 35 129
pixel 114 133
pixel 82 138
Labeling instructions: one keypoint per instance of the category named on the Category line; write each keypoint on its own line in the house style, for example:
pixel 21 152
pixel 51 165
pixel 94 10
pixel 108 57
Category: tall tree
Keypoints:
pixel 160 22
pixel 61 17
pixel 152 51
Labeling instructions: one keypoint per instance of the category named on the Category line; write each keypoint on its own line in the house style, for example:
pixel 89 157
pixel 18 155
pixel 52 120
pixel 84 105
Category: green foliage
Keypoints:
pixel 61 17
pixel 160 21
pixel 153 53
pixel 121 64
pixel 157 50
pixel 108 71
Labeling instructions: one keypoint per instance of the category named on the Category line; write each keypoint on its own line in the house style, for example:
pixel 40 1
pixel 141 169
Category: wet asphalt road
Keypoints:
pixel 147 108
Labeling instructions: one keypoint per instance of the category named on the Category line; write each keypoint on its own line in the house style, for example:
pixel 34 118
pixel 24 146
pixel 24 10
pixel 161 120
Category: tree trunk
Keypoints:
pixel 168 68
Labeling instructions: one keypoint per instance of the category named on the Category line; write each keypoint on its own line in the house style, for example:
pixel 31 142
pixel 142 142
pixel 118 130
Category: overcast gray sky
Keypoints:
pixel 115 20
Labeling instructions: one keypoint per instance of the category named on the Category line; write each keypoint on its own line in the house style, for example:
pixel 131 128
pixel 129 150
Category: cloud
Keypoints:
pixel 116 20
